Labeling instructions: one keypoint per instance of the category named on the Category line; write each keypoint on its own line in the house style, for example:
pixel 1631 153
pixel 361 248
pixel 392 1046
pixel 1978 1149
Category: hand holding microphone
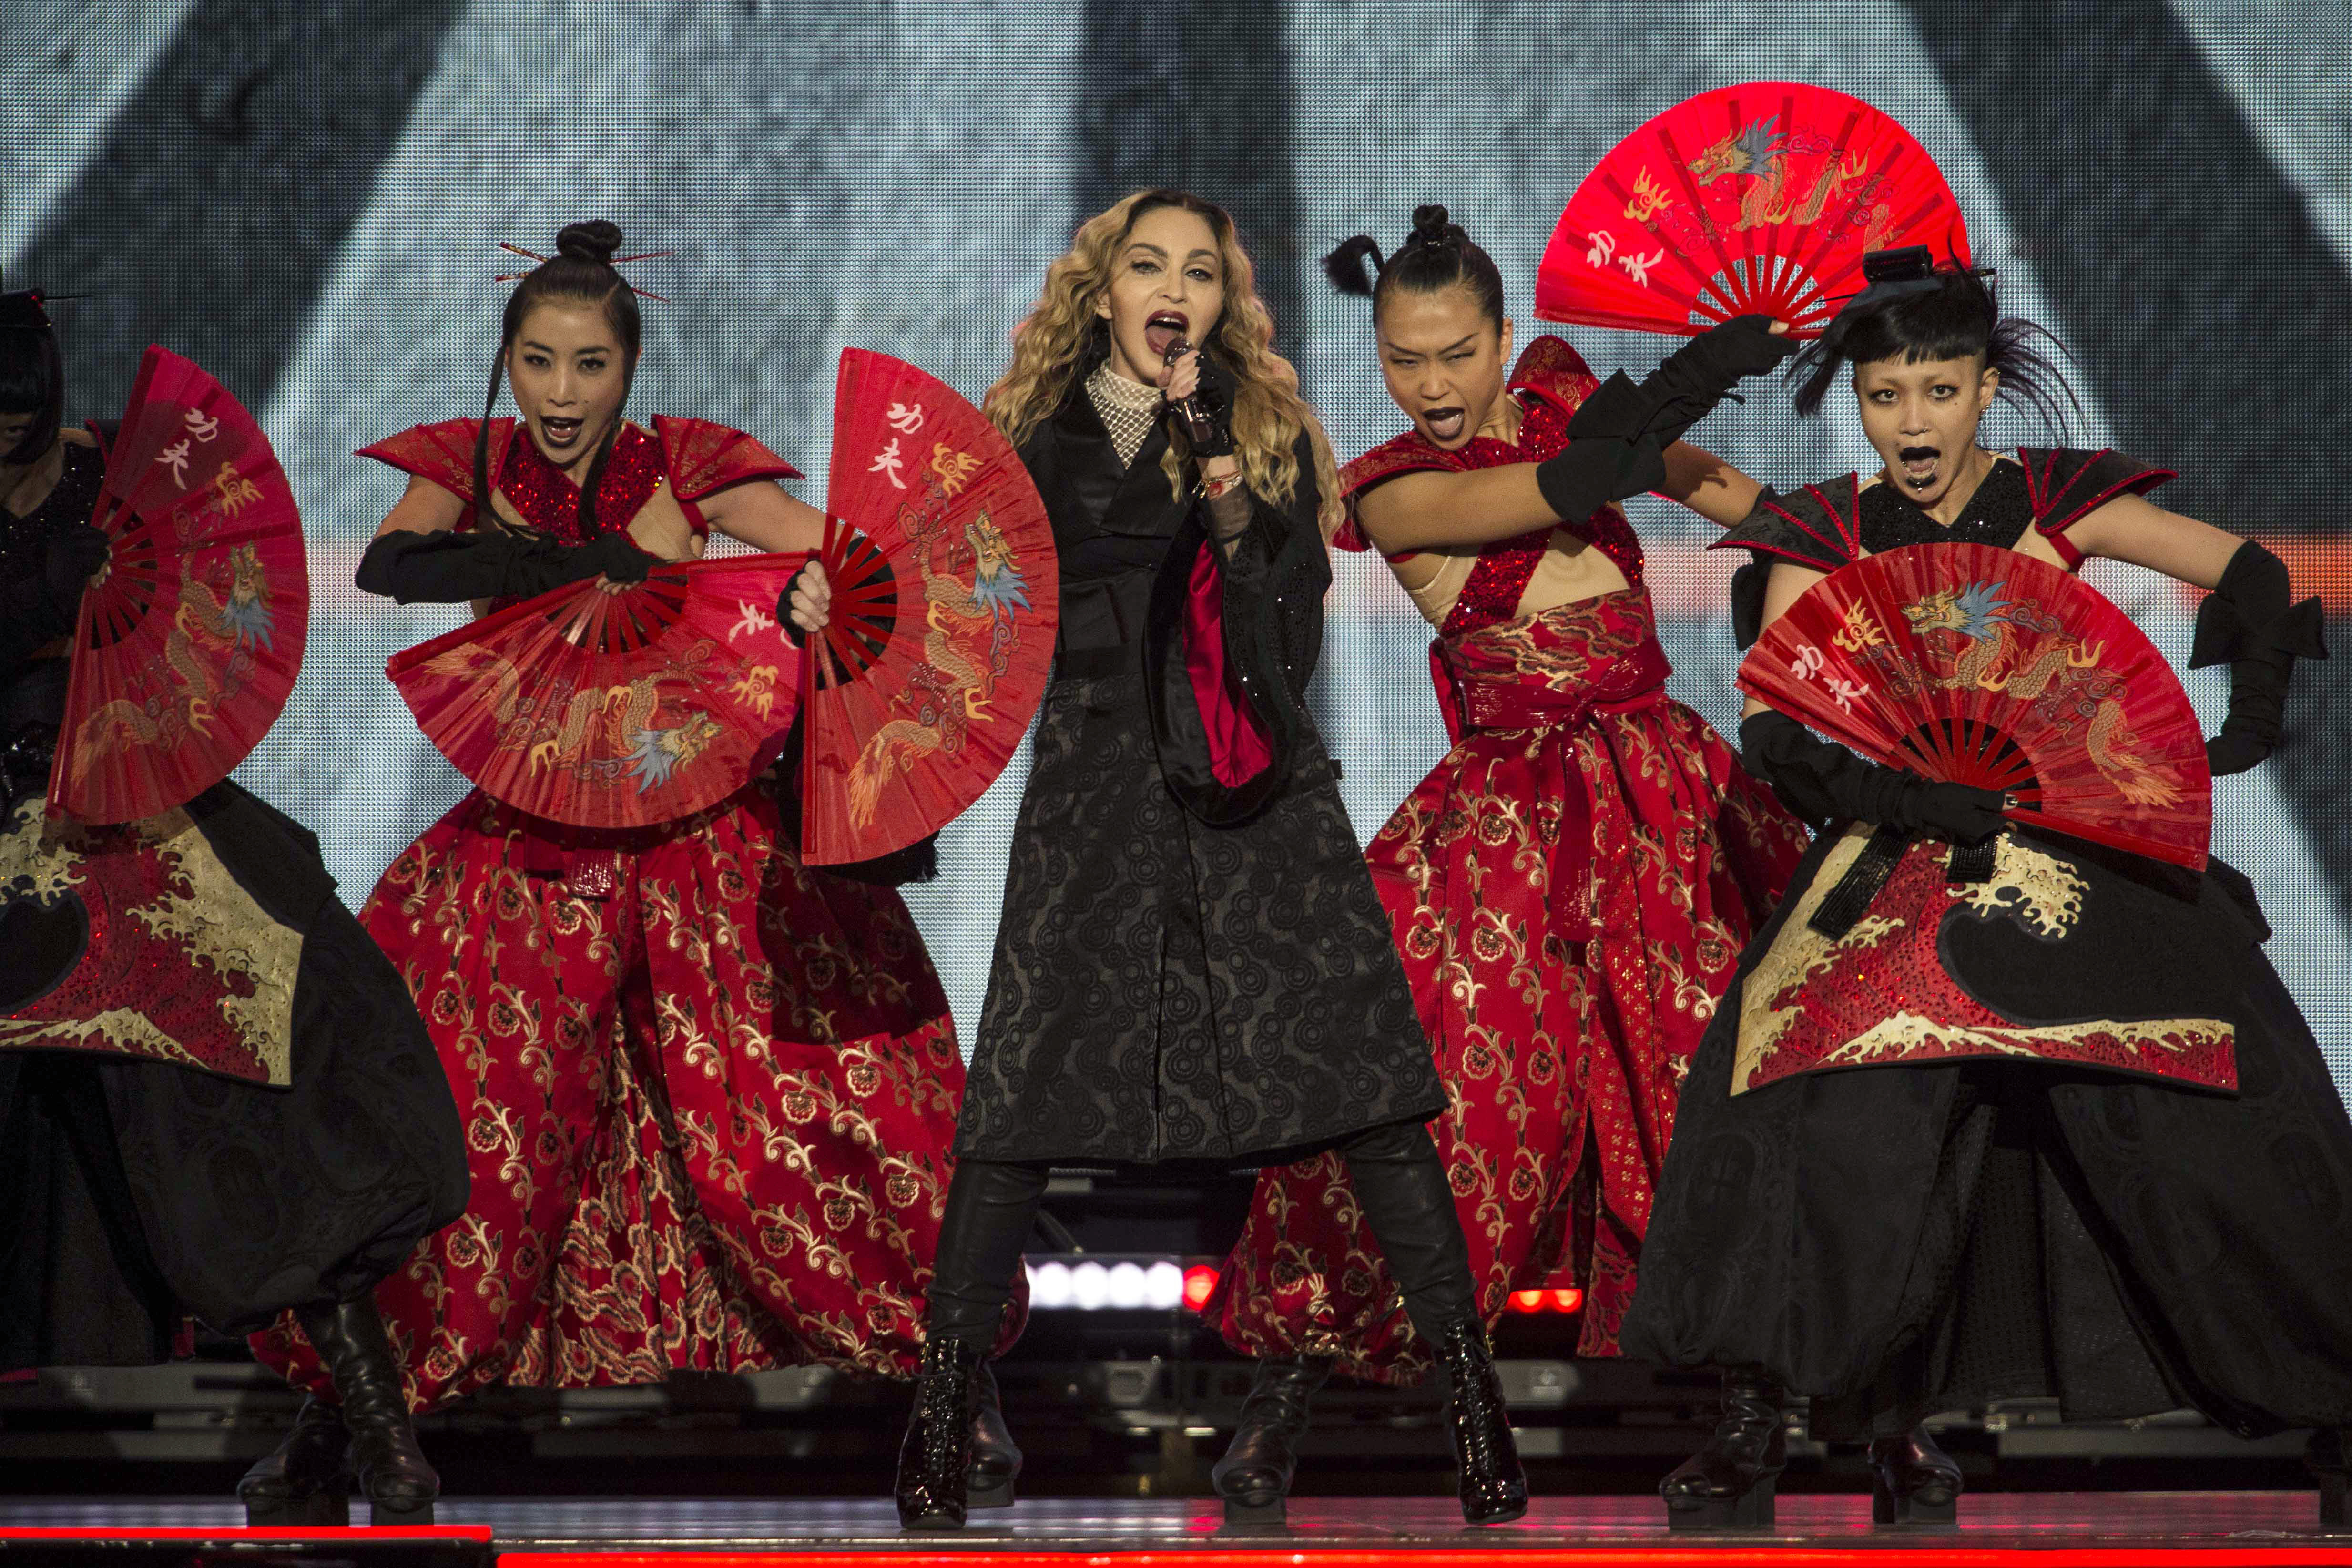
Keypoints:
pixel 1200 392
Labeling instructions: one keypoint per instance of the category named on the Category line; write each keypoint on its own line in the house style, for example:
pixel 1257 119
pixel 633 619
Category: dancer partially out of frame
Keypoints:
pixel 216 1099
pixel 1983 1211
pixel 1571 884
pixel 1193 964
pixel 708 1090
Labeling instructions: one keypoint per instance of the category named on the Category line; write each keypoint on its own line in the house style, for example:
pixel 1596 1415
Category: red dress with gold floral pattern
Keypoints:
pixel 709 1092
pixel 1570 888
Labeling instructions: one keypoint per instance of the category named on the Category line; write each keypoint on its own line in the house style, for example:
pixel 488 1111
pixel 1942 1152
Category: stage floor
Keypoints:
pixel 2044 1528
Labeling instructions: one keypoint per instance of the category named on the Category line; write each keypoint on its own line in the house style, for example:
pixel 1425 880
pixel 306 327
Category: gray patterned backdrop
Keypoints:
pixel 304 196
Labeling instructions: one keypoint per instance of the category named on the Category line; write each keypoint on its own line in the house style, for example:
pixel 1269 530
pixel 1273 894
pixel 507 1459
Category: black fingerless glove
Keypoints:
pixel 1620 434
pixel 449 567
pixel 1213 400
pixel 1685 386
pixel 1824 782
pixel 2247 622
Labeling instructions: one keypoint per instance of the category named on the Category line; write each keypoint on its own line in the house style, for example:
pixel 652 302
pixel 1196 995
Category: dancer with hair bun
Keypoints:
pixel 2016 1182
pixel 708 1090
pixel 1193 964
pixel 1571 885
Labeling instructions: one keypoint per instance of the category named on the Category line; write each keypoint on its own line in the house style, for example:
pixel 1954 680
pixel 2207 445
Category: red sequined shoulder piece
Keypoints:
pixel 443 453
pixel 545 497
pixel 1553 372
pixel 704 457
pixel 1406 454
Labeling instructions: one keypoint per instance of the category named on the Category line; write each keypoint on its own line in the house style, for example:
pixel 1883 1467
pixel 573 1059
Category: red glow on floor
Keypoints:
pixel 1568 1300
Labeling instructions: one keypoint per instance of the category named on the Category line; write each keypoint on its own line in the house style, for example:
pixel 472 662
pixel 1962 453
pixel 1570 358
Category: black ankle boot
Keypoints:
pixel 350 1340
pixel 2326 1455
pixel 1493 1487
pixel 1254 1477
pixel 935 1460
pixel 995 1458
pixel 1912 1482
pixel 307 1481
pixel 1728 1484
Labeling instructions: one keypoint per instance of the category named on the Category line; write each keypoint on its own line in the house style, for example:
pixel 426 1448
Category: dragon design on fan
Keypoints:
pixel 238 619
pixel 603 731
pixel 1995 655
pixel 970 643
pixel 1766 158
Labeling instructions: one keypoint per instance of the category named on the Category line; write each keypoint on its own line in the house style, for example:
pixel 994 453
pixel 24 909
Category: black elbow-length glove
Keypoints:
pixel 449 568
pixel 1620 434
pixel 2247 623
pixel 1824 783
pixel 40 608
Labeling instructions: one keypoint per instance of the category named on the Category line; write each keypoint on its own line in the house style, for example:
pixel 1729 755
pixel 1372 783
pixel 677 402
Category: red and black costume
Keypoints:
pixel 708 1091
pixel 1570 888
pixel 215 1098
pixel 2094 1155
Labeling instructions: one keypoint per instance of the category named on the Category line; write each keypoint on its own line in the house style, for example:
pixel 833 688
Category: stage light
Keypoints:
pixel 1049 1286
pixel 1089 1287
pixel 1199 1284
pixel 1163 1286
pixel 1527 1300
pixel 1567 1300
pixel 1124 1288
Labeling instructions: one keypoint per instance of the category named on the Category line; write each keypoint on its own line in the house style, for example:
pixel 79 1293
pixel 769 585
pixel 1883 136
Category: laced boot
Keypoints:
pixel 350 1340
pixel 935 1461
pixel 1254 1477
pixel 1493 1487
pixel 2326 1454
pixel 1728 1483
pixel 307 1481
pixel 1913 1481
pixel 996 1457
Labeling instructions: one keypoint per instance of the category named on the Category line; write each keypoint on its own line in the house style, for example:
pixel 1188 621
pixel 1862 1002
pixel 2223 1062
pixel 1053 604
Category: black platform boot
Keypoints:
pixel 2326 1454
pixel 307 1482
pixel 1493 1486
pixel 935 1460
pixel 1913 1482
pixel 1728 1484
pixel 399 1485
pixel 995 1458
pixel 1254 1477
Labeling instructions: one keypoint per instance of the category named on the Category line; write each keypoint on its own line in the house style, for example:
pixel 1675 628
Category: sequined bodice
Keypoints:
pixel 548 499
pixel 25 540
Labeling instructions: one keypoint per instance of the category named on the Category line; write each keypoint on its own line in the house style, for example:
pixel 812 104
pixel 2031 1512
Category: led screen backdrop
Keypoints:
pixel 305 198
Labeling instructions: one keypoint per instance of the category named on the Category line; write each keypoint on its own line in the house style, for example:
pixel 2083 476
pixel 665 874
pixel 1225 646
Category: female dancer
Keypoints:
pixel 2018 1195
pixel 216 1099
pixel 1570 886
pixel 708 1091
pixel 1192 964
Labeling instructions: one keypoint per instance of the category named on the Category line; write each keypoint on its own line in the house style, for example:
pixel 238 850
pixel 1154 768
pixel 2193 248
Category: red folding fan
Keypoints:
pixel 944 603
pixel 1978 666
pixel 1760 197
pixel 616 707
pixel 191 636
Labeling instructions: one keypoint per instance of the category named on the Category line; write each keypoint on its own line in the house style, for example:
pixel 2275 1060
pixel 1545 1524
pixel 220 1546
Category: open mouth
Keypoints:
pixel 558 432
pixel 1164 329
pixel 1445 423
pixel 1917 466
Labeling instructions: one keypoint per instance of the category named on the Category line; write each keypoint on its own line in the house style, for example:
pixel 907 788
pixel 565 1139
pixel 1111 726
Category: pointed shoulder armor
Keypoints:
pixel 702 457
pixel 1819 526
pixel 2063 485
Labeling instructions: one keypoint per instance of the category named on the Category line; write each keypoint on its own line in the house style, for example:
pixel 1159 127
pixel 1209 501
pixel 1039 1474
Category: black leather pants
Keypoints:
pixel 1398 1180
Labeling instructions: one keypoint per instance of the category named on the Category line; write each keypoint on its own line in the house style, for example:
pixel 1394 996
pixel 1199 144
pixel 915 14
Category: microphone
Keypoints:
pixel 1199 429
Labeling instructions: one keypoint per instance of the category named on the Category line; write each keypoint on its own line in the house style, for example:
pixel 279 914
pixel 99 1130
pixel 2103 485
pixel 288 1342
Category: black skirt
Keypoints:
pixel 136 1191
pixel 1167 990
pixel 1894 1240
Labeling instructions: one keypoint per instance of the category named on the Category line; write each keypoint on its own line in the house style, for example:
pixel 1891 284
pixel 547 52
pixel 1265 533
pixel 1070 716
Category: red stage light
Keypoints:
pixel 1527 1300
pixel 1568 1300
pixel 1199 1281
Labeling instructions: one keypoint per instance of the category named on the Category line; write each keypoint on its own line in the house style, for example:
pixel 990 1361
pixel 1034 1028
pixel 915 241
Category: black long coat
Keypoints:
pixel 1184 971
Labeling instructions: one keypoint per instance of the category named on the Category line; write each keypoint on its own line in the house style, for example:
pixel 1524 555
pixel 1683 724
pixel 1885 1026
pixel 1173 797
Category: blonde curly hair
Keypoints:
pixel 1268 412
